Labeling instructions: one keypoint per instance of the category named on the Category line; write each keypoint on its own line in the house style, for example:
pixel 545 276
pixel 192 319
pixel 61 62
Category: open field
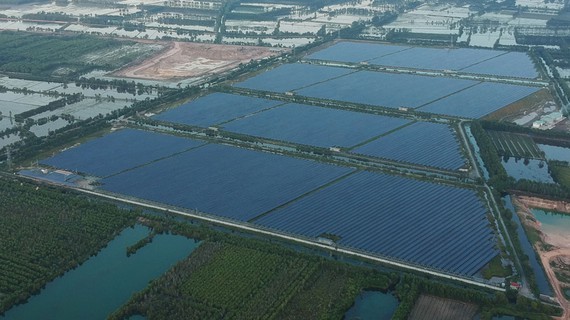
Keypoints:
pixel 430 307
pixel 186 60
pixel 515 145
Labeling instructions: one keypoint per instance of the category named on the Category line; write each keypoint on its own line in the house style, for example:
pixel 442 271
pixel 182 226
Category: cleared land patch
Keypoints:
pixel 187 60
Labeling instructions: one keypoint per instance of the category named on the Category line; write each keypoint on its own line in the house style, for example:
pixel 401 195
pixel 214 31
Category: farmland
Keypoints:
pixel 221 280
pixel 277 162
pixel 515 145
pixel 430 307
pixel 55 56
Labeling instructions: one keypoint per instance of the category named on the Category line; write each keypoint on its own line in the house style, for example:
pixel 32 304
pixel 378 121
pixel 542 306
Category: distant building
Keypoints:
pixel 548 121
pixel 204 5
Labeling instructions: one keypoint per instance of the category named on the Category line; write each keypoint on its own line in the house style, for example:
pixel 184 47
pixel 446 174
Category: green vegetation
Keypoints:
pixel 251 279
pixel 560 173
pixel 499 179
pixel 410 287
pixel 55 56
pixel 498 176
pixel 496 269
pixel 44 232
pixel 515 145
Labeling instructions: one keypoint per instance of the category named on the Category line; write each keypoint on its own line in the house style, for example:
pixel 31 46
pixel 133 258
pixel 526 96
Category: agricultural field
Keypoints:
pixel 453 236
pixel 222 280
pixel 45 233
pixel 424 143
pixel 515 145
pixel 57 56
pixel 430 307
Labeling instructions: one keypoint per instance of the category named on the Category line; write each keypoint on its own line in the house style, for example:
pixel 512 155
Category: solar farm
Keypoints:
pixel 373 161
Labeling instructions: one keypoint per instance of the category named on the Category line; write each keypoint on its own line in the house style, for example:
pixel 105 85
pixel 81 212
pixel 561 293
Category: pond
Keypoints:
pixel 555 152
pixel 530 169
pixel 372 305
pixel 552 221
pixel 106 281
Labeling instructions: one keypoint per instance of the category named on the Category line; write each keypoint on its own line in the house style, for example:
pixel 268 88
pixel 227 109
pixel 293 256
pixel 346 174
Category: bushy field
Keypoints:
pixel 54 55
pixel 252 281
pixel 45 232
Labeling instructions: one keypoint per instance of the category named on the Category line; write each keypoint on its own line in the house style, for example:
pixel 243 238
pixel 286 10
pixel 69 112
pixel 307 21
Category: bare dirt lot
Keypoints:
pixel 430 307
pixel 555 251
pixel 181 60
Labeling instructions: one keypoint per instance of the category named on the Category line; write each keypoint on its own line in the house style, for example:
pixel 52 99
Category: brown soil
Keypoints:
pixel 558 245
pixel 188 60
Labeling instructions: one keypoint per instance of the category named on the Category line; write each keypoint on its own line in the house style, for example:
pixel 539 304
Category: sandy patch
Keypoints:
pixel 181 60
pixel 558 240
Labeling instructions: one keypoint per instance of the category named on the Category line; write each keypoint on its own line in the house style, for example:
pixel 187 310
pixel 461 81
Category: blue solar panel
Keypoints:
pixel 440 226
